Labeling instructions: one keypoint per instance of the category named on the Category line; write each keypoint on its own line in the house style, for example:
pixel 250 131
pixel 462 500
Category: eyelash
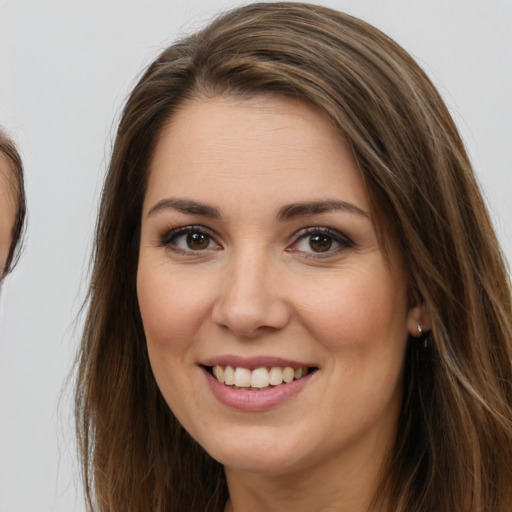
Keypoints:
pixel 169 238
pixel 330 235
pixel 334 236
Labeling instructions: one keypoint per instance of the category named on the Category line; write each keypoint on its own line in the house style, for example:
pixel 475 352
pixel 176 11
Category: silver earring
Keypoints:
pixel 423 337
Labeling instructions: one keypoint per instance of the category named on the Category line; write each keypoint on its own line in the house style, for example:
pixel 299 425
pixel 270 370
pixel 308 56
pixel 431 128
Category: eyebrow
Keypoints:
pixel 290 211
pixel 310 208
pixel 186 206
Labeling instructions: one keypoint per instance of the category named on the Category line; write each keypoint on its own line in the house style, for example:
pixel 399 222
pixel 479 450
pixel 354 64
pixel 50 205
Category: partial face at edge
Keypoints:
pixel 258 250
pixel 7 212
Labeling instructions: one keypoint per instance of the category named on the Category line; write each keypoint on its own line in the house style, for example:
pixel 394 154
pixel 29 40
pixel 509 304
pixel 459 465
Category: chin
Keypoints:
pixel 261 463
pixel 257 454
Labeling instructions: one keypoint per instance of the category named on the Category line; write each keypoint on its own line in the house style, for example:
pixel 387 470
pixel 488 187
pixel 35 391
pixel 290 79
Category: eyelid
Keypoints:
pixel 165 240
pixel 344 241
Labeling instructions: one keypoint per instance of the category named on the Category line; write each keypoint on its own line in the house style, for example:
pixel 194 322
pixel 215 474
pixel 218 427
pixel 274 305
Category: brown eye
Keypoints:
pixel 189 239
pixel 320 243
pixel 197 241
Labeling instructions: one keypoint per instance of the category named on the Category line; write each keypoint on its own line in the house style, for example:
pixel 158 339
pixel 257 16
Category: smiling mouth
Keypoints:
pixel 258 379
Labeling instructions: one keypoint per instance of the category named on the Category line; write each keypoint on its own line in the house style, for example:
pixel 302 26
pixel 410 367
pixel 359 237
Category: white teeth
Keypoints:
pixel 288 374
pixel 229 376
pixel 258 378
pixel 242 377
pixel 219 373
pixel 275 376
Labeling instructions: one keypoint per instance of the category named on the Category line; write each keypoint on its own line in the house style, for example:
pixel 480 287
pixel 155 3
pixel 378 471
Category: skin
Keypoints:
pixel 7 213
pixel 259 288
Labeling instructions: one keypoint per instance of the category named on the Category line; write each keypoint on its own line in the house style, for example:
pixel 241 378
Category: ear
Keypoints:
pixel 418 320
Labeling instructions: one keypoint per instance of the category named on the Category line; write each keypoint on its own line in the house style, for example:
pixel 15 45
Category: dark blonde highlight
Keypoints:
pixel 454 444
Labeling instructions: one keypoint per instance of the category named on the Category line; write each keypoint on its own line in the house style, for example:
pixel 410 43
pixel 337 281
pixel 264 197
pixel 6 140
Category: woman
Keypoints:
pixel 12 204
pixel 298 301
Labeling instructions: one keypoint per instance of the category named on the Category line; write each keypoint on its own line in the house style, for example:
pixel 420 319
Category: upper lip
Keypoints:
pixel 254 362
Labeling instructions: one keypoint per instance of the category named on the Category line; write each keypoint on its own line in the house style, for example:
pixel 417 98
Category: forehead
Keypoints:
pixel 7 179
pixel 256 146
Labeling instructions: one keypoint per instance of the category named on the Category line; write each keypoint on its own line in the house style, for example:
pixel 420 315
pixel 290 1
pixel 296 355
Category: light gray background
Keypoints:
pixel 65 69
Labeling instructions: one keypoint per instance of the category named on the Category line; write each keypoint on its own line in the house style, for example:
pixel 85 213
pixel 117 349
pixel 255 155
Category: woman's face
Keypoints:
pixel 7 213
pixel 259 260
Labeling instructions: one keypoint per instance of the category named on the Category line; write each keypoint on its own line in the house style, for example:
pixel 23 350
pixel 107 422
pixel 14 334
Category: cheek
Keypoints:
pixel 6 224
pixel 356 311
pixel 171 313
pixel 170 307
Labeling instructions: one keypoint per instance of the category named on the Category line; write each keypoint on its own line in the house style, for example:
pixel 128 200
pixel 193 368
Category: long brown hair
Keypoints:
pixel 15 179
pixel 453 450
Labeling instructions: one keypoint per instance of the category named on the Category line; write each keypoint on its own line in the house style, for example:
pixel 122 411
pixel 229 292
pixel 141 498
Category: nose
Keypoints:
pixel 251 300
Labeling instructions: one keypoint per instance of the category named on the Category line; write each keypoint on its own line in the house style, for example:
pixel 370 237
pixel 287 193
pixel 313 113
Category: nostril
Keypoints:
pixel 248 318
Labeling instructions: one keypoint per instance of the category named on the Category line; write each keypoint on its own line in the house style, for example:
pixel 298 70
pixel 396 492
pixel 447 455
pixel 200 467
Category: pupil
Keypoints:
pixel 197 241
pixel 320 243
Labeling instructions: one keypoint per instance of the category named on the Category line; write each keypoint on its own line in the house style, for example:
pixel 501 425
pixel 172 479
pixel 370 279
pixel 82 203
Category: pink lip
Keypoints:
pixel 254 362
pixel 252 400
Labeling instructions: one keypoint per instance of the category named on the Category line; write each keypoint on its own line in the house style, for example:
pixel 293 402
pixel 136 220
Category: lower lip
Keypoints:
pixel 251 400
